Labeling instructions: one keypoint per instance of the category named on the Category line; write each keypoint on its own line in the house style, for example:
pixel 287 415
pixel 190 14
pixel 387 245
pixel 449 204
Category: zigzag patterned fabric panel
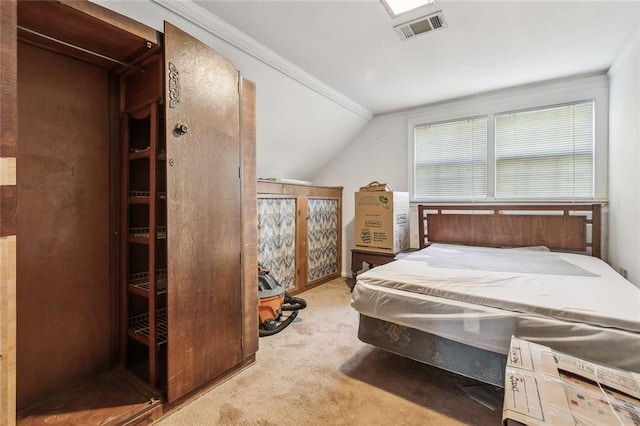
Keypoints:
pixel 277 238
pixel 322 229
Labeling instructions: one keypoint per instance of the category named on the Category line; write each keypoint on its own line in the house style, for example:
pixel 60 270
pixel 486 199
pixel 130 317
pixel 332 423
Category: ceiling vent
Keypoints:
pixel 421 26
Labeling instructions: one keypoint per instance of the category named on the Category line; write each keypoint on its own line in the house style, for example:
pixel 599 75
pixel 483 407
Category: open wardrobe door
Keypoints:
pixel 204 226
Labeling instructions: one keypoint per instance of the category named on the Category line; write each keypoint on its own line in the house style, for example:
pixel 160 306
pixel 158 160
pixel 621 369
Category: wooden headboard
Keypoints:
pixel 558 227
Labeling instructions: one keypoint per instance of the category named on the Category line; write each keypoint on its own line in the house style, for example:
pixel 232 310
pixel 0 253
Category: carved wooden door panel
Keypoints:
pixel 204 301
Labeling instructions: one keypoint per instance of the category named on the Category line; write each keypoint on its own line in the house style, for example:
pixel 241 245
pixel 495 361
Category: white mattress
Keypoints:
pixel 584 308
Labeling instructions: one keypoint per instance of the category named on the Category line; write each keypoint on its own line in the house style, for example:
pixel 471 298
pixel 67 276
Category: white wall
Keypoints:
pixel 381 151
pixel 378 153
pixel 299 128
pixel 624 162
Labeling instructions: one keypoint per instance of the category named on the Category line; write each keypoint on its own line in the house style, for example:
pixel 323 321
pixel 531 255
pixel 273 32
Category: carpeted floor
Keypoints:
pixel 317 372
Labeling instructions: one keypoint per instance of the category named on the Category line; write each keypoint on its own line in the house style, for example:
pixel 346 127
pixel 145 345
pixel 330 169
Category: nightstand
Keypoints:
pixel 372 259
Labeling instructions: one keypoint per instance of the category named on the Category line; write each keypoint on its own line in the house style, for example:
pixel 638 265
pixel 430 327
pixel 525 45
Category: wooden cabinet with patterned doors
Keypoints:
pixel 300 233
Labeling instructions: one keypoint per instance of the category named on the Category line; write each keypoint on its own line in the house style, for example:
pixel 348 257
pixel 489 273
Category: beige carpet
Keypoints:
pixel 317 372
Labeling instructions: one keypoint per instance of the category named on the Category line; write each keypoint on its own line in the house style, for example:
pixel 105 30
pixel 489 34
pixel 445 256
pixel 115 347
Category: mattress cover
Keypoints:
pixel 398 293
pixel 589 291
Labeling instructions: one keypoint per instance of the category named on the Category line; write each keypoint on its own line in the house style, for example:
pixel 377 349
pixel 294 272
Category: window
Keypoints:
pixel 545 152
pixel 451 159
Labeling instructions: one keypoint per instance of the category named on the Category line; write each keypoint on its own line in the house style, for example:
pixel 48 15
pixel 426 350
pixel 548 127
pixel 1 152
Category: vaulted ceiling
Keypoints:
pixel 352 47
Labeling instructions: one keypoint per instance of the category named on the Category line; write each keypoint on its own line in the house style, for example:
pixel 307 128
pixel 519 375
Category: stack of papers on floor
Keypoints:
pixel 545 387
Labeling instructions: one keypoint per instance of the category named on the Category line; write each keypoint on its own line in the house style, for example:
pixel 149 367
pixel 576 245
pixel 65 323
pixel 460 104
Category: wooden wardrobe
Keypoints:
pixel 136 210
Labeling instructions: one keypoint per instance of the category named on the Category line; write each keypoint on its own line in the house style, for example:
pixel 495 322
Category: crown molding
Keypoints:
pixel 211 23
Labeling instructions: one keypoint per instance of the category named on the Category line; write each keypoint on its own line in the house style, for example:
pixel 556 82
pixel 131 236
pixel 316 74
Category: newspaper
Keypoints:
pixel 545 387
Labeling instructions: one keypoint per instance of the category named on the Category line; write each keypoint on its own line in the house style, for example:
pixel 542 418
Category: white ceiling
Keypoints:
pixel 351 45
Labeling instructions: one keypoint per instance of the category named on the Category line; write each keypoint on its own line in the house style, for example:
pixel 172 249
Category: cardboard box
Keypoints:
pixel 545 387
pixel 382 221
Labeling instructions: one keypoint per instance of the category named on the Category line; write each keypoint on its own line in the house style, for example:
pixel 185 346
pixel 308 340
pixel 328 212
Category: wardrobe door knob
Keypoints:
pixel 181 129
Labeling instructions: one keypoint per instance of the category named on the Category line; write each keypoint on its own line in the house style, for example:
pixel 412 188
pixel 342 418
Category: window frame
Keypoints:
pixel 531 97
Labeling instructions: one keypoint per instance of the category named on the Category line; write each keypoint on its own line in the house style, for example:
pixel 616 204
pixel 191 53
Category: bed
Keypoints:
pixel 485 273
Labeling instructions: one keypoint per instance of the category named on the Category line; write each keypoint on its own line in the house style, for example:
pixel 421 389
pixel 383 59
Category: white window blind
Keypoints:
pixel 451 159
pixel 545 152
